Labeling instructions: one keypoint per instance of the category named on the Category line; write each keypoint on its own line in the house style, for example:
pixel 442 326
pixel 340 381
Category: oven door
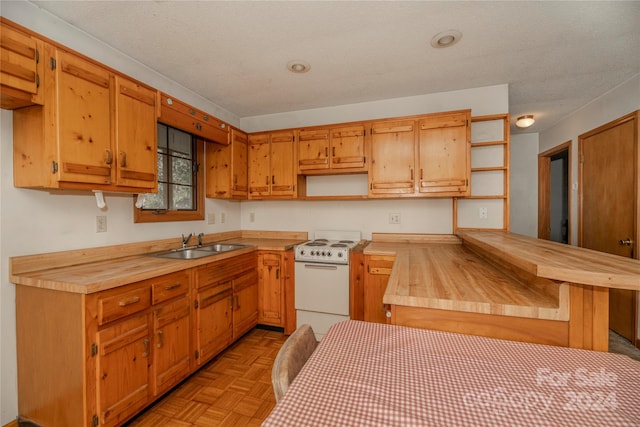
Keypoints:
pixel 323 288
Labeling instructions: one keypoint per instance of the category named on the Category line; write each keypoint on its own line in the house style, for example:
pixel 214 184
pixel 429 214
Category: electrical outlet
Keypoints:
pixel 211 218
pixel 484 214
pixel 101 224
pixel 252 217
pixel 394 218
pixel 223 217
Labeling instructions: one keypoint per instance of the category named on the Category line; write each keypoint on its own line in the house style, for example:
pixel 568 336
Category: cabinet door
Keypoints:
pixel 283 174
pixel 378 270
pixel 136 135
pixel 259 165
pixel 213 321
pixel 444 155
pixel 245 303
pixel 121 370
pixel 270 292
pixel 347 147
pixel 313 149
pixel 219 170
pixel 20 71
pixel 392 158
pixel 84 121
pixel 171 348
pixel 239 180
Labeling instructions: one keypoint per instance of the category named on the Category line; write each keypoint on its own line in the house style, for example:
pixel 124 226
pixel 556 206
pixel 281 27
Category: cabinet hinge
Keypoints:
pixel 196 304
pixel 196 167
pixel 581 157
pixel 37 56
pixel 52 63
pixel 94 349
pixel 54 166
pixel 37 80
pixel 95 421
pixel 197 355
pixel 365 160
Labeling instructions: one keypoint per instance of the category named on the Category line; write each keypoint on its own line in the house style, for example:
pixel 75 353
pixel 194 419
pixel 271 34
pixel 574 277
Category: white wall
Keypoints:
pixel 523 218
pixel 616 103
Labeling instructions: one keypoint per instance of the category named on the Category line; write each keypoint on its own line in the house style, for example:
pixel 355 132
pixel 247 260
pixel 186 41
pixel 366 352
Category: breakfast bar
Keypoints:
pixel 503 285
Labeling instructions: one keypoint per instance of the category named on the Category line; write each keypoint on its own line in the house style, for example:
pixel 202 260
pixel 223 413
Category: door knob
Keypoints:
pixel 625 242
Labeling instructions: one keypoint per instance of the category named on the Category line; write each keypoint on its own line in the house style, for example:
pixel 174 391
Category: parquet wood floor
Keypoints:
pixel 234 389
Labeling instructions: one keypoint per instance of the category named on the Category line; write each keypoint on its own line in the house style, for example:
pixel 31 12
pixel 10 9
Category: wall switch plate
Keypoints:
pixel 101 224
pixel 484 213
pixel 211 218
pixel 394 218
pixel 252 217
pixel 223 218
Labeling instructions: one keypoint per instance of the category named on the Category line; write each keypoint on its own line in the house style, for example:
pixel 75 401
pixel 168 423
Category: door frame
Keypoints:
pixel 544 190
pixel 636 203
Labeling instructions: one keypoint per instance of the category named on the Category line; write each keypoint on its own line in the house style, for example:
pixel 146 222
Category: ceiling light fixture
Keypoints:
pixel 446 39
pixel 298 67
pixel 525 121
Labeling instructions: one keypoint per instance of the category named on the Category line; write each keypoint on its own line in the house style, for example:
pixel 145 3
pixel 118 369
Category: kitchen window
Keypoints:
pixel 180 195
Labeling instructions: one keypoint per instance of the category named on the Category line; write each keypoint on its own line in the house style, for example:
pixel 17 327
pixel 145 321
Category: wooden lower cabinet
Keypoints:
pixel 97 359
pixel 377 272
pixel 276 289
pixel 224 308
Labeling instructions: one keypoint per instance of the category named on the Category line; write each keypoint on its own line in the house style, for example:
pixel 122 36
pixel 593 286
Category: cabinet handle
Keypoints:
pixel 267 181
pixel 175 285
pixel 198 126
pixel 421 174
pixel 145 342
pixel 277 273
pixel 237 302
pixel 160 338
pixel 333 151
pixel 326 151
pixel 109 157
pixel 411 174
pixel 231 302
pixel 129 301
pixel 123 159
pixel 273 179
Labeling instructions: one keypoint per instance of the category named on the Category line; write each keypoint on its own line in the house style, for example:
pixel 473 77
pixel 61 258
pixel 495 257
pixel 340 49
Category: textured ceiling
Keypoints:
pixel 555 56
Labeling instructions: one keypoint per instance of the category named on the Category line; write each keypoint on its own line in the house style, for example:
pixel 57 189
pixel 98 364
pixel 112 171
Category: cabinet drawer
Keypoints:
pixel 225 270
pixel 123 304
pixel 170 286
pixel 377 264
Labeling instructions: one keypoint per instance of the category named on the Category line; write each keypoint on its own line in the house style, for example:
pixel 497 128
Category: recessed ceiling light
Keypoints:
pixel 525 121
pixel 298 67
pixel 446 39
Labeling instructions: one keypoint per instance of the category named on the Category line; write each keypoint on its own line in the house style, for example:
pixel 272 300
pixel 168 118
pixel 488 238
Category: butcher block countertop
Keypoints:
pixel 96 269
pixel 495 273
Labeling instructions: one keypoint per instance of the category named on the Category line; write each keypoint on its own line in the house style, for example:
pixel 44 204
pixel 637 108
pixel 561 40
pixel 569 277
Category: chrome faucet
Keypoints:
pixel 185 240
pixel 200 236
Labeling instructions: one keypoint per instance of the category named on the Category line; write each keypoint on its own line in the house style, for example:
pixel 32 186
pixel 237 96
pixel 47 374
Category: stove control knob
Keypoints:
pixel 328 253
pixel 322 253
pixel 314 252
pixel 301 251
pixel 339 254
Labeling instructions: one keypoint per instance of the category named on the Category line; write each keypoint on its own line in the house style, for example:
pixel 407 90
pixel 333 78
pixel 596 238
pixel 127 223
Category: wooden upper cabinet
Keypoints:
pixel 227 168
pixel 272 172
pixel 21 68
pixel 331 150
pixel 95 131
pixel 136 135
pixel 182 116
pixel 444 151
pixel 313 150
pixel 392 158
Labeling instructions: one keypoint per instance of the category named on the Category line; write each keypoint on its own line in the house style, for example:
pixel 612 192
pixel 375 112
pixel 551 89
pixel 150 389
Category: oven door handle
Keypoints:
pixel 321 266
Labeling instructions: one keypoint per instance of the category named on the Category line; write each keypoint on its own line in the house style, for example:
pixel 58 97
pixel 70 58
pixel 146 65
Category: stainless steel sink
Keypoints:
pixel 197 252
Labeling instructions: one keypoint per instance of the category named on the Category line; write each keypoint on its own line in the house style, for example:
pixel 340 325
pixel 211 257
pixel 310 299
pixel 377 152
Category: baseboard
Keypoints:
pixel 637 343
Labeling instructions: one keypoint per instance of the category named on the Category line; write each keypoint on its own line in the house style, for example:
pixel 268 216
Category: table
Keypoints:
pixel 384 375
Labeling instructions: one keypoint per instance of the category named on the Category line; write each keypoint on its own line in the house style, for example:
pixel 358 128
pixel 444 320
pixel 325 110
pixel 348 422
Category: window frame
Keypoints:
pixel 141 216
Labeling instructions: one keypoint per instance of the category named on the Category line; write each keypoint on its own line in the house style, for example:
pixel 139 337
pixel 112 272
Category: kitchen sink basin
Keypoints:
pixel 197 252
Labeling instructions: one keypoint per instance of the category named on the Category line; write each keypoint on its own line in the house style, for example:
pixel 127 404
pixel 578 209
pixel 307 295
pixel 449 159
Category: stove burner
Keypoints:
pixel 315 243
pixel 339 245
pixel 345 241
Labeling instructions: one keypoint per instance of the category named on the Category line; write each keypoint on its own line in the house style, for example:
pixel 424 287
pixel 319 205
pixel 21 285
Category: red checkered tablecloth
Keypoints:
pixel 368 374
